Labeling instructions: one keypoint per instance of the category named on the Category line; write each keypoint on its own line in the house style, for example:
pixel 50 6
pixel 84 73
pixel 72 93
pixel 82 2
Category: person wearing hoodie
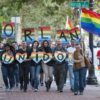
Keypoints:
pixel 47 67
pixel 7 63
pixel 35 67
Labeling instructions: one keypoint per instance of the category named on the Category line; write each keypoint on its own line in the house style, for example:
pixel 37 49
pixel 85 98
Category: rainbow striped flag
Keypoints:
pixel 68 25
pixel 90 21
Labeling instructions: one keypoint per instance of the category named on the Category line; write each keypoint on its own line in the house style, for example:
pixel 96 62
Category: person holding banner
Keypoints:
pixel 8 62
pixel 59 66
pixel 47 65
pixel 16 71
pixel 35 65
pixel 22 56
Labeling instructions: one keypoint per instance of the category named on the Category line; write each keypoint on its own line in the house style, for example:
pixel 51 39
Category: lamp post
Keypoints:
pixel 91 79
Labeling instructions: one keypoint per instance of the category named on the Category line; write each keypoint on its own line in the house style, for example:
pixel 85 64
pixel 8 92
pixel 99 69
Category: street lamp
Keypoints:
pixel 91 79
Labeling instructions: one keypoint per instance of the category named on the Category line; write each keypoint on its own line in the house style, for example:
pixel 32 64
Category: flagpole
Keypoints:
pixel 66 24
pixel 91 79
pixel 80 20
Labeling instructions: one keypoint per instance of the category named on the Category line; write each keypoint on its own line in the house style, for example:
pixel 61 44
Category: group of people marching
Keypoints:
pixel 31 72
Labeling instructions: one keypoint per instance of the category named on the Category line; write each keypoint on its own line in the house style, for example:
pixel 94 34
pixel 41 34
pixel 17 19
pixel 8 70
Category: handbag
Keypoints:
pixel 87 62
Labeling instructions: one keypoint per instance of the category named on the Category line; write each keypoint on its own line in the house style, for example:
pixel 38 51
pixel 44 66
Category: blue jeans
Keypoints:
pixel 16 74
pixel 71 76
pixel 79 79
pixel 84 78
pixel 66 70
pixel 8 76
pixel 35 71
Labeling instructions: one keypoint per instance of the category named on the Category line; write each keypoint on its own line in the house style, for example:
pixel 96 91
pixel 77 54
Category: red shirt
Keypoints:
pixel 98 53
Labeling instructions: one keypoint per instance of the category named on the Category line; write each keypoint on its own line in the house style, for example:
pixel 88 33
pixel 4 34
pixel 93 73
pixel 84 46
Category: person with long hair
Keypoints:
pixel 35 67
pixel 47 67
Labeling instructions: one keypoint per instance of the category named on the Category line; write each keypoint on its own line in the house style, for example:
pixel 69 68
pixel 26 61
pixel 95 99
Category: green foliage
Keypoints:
pixel 35 13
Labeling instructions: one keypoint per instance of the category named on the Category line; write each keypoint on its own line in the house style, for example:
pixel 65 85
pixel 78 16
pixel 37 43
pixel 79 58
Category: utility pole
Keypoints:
pixel 91 79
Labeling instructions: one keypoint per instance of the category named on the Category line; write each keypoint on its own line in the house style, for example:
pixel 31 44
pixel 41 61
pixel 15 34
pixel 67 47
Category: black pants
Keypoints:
pixel 59 73
pixel 24 76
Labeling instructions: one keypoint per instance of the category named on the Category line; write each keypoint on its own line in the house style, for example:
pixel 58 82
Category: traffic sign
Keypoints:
pixel 81 4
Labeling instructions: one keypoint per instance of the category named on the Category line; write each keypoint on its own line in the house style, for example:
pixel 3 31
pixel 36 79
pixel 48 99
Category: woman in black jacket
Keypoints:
pixel 8 62
pixel 35 66
pixel 47 67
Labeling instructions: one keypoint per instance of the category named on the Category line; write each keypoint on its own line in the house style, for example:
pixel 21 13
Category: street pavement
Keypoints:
pixel 90 93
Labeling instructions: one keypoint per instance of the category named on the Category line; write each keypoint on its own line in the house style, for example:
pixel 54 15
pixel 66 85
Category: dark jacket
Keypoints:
pixel 25 63
pixel 48 50
pixel 33 63
pixel 10 64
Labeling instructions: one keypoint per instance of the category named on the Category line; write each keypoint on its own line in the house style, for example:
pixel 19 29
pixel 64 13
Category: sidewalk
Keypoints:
pixel 91 93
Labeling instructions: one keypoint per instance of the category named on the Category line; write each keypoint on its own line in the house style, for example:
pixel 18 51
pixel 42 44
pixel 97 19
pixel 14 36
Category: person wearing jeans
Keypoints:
pixel 79 71
pixel 35 67
pixel 8 67
pixel 70 50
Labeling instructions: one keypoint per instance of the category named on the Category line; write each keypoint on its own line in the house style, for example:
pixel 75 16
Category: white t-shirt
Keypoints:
pixel 70 51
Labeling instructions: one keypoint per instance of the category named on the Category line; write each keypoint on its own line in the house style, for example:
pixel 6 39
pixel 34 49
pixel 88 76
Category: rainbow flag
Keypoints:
pixel 90 21
pixel 68 24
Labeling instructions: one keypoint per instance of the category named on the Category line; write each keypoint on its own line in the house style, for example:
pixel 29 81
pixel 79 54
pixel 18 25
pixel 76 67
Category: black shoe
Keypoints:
pixel 72 89
pixel 25 90
pixel 17 85
pixel 60 91
pixel 21 87
pixel 47 86
pixel 75 93
pixel 47 89
pixel 42 84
